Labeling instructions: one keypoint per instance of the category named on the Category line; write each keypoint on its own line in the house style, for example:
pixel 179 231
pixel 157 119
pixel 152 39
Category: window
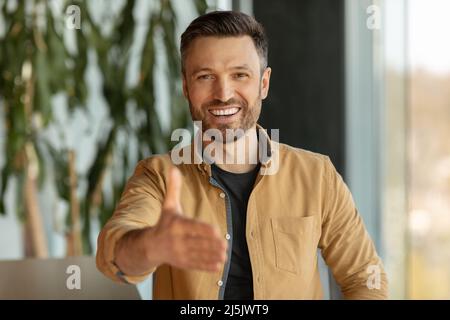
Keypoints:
pixel 429 149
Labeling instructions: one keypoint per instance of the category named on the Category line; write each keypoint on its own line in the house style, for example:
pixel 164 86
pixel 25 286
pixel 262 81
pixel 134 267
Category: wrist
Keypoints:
pixel 153 250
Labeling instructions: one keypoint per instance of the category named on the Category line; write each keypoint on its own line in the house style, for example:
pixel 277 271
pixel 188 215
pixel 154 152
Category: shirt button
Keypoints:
pixel 227 236
pixel 220 283
pixel 222 195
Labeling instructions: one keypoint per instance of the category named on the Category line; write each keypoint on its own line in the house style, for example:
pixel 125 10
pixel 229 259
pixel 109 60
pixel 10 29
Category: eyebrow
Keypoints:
pixel 240 67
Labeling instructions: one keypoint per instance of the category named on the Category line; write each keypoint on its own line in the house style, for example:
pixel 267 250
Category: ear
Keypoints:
pixel 265 81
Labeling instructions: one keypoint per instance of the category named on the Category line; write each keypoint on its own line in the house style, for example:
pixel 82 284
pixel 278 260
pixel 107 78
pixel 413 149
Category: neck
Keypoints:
pixel 239 156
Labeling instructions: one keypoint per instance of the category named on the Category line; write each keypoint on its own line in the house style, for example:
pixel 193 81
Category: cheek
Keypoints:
pixel 198 95
pixel 250 92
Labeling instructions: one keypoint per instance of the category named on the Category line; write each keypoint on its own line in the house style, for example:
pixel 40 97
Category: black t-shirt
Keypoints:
pixel 238 186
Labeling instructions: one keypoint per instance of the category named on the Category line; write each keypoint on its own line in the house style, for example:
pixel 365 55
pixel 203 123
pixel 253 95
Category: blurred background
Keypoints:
pixel 87 88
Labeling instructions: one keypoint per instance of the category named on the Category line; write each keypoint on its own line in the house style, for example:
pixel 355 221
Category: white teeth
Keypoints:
pixel 224 112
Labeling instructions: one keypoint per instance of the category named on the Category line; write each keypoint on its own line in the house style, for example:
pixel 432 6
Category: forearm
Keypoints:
pixel 137 252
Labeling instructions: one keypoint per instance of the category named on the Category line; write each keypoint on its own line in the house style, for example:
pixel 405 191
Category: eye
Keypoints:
pixel 205 77
pixel 240 75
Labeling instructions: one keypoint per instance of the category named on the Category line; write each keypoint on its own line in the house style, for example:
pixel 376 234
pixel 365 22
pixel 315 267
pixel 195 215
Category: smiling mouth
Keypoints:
pixel 224 112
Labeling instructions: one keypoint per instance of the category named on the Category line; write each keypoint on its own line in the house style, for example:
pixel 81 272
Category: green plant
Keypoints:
pixel 35 64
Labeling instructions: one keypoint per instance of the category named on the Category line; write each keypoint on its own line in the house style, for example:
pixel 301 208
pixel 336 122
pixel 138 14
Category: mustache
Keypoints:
pixel 218 103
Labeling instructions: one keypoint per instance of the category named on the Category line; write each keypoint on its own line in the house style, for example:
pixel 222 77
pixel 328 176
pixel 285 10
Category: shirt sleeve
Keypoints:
pixel 346 245
pixel 139 207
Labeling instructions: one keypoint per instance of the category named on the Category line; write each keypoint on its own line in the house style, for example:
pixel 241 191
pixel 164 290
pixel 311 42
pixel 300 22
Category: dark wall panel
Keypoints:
pixel 306 53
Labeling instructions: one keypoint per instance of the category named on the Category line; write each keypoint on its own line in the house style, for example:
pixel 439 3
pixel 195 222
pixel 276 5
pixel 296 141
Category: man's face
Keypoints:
pixel 223 82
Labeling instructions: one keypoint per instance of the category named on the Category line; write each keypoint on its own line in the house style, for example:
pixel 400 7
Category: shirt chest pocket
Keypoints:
pixel 294 239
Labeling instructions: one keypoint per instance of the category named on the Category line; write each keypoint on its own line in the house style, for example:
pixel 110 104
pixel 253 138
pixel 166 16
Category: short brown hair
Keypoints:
pixel 226 24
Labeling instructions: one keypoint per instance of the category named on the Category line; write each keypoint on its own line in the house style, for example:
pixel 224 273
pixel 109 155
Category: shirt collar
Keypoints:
pixel 265 155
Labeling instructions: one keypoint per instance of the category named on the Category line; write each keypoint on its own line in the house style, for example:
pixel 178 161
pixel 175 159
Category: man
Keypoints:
pixel 236 230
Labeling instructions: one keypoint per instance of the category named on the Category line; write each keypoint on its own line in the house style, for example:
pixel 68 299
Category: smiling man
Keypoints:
pixel 214 229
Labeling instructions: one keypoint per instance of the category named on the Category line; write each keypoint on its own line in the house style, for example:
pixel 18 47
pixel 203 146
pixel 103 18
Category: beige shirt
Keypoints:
pixel 304 206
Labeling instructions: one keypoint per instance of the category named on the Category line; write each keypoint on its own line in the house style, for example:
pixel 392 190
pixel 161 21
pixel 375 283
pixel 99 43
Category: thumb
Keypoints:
pixel 172 199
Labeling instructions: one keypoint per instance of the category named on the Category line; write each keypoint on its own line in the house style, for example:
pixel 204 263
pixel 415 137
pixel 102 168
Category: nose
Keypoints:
pixel 223 90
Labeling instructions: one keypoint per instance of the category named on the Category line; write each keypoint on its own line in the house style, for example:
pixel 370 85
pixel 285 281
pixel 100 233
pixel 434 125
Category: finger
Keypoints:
pixel 213 267
pixel 205 257
pixel 196 261
pixel 173 194
pixel 201 259
pixel 203 229
pixel 210 266
pixel 193 265
pixel 211 257
pixel 210 246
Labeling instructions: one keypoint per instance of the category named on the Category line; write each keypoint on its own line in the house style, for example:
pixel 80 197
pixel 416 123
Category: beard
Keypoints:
pixel 248 115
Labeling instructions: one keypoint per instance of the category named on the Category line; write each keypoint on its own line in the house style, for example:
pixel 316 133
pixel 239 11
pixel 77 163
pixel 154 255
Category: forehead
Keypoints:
pixel 221 53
